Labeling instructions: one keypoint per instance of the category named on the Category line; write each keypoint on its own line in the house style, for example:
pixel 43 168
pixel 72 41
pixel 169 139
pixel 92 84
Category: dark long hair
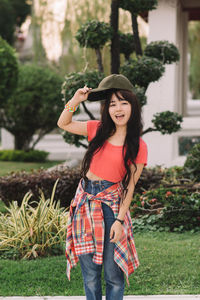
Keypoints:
pixel 107 128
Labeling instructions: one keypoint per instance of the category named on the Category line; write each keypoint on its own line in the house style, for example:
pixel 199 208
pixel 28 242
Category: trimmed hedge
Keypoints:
pixel 167 209
pixel 25 156
pixel 13 187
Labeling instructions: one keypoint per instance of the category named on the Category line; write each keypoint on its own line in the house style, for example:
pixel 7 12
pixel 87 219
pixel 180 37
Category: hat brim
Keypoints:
pixel 98 94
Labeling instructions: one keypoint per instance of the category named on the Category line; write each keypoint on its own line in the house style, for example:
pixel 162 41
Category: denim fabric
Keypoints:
pixel 91 272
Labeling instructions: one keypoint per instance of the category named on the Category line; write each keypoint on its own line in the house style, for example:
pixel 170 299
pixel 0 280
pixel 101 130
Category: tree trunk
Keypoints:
pixel 99 60
pixel 22 142
pixel 138 48
pixel 114 23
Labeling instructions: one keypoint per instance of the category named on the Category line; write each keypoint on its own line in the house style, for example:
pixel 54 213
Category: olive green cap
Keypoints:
pixel 113 81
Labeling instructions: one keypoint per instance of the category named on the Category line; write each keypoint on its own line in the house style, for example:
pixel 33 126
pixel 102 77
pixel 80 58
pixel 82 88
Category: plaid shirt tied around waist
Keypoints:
pixel 85 230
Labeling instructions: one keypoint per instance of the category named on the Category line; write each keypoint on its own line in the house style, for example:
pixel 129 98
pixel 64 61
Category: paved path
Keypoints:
pixel 156 297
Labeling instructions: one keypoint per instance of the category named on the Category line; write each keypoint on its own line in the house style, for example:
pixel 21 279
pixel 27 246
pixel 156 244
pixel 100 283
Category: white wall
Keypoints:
pixel 168 22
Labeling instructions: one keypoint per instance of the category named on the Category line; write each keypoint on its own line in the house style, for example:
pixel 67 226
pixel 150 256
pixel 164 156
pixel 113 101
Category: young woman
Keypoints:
pixel 99 229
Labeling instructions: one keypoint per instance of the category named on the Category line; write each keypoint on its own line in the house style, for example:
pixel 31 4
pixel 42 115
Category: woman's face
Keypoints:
pixel 119 110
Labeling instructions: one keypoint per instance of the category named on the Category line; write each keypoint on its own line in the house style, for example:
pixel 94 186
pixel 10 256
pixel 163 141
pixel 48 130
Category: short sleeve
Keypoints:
pixel 142 153
pixel 92 127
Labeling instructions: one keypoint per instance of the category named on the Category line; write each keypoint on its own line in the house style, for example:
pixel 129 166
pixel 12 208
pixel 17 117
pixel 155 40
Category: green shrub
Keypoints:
pixel 140 93
pixel 16 185
pixel 9 71
pixel 138 6
pixel 166 52
pixel 143 71
pixel 35 106
pixel 93 34
pixel 192 163
pixel 21 9
pixel 167 122
pixel 76 80
pixel 171 209
pixel 27 232
pixel 25 156
pixel 7 21
pixel 126 44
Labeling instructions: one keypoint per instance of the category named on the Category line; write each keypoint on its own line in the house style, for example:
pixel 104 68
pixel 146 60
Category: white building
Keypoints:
pixel 168 22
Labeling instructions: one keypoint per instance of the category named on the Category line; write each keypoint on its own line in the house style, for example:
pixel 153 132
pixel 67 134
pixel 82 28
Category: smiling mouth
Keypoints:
pixel 118 117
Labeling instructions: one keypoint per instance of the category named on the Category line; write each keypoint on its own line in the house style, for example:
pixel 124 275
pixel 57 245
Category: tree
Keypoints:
pixel 114 23
pixel 94 34
pixel 9 71
pixel 12 13
pixel 21 9
pixel 34 107
pixel 7 21
pixel 144 68
pixel 135 7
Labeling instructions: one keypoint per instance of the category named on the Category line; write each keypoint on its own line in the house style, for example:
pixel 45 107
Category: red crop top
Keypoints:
pixel 108 163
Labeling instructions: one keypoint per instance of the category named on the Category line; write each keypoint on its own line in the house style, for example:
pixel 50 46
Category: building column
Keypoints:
pixel 162 95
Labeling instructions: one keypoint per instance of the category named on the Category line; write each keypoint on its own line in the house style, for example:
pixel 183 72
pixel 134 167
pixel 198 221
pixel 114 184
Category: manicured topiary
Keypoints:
pixel 166 52
pixel 143 71
pixel 76 80
pixel 93 34
pixel 167 122
pixel 138 6
pixel 126 44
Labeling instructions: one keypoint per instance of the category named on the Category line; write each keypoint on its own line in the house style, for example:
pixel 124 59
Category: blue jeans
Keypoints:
pixel 91 272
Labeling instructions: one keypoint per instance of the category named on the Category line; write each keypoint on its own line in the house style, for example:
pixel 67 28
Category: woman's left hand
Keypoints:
pixel 116 232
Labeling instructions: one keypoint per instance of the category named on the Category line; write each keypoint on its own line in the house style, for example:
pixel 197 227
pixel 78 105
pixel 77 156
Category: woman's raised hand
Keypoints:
pixel 80 95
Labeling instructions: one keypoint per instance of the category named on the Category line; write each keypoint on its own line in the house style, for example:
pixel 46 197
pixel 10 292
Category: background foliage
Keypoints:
pixel 9 71
pixel 34 107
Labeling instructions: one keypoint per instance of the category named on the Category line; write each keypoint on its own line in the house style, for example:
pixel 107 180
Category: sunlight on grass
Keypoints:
pixel 7 166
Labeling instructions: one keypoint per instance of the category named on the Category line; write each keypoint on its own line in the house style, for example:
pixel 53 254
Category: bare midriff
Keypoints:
pixel 92 176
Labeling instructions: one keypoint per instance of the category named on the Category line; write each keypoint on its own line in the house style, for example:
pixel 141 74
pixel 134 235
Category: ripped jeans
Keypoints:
pixel 91 272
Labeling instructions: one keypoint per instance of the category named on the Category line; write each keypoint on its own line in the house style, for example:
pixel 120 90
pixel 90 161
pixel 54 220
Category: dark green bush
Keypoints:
pixel 93 34
pixel 9 71
pixel 35 106
pixel 192 163
pixel 167 122
pixel 143 71
pixel 140 93
pixel 13 187
pixel 7 21
pixel 21 9
pixel 21 155
pixel 166 52
pixel 126 44
pixel 76 80
pixel 172 209
pixel 137 6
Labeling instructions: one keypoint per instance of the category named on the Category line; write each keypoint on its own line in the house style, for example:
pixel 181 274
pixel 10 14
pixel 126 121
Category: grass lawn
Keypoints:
pixel 169 264
pixel 11 166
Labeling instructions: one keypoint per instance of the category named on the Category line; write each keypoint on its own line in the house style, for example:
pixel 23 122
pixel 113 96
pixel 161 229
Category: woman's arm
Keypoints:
pixel 65 120
pixel 116 229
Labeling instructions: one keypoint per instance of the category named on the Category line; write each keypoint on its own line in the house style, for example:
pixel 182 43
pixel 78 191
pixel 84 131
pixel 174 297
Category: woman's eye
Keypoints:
pixel 124 102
